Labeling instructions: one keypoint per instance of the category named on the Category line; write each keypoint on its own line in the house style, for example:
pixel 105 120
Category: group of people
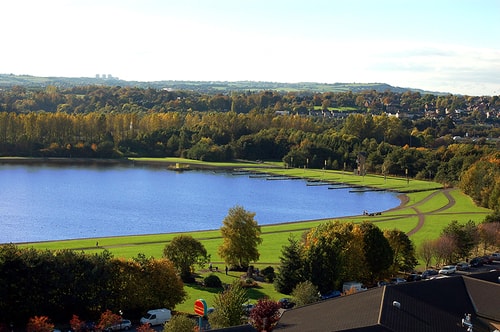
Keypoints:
pixel 211 268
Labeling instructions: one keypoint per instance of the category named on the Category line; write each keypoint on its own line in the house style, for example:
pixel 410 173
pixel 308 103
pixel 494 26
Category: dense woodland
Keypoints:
pixel 450 139
pixel 445 138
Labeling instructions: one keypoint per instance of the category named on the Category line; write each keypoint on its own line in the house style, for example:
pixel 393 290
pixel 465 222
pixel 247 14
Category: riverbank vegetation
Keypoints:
pixel 406 134
pixel 405 142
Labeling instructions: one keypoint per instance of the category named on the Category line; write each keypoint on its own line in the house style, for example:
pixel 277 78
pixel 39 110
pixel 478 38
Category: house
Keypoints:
pixel 423 306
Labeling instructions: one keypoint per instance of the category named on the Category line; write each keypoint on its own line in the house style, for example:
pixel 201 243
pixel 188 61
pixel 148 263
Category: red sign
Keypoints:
pixel 200 307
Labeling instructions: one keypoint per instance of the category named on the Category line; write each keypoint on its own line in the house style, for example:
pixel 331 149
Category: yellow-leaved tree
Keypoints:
pixel 241 236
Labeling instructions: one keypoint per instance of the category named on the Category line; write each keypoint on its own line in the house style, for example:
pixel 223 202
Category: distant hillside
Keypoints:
pixel 9 80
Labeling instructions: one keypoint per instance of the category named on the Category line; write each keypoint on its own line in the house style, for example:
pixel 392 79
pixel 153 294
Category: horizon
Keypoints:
pixel 446 46
pixel 219 81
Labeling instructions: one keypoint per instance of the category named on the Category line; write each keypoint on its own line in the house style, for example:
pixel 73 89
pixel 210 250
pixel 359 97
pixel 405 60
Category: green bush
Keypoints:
pixel 212 281
pixel 180 323
pixel 268 274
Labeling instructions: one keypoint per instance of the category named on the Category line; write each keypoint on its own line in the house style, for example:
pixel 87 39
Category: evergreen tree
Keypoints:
pixel 290 270
pixel 229 306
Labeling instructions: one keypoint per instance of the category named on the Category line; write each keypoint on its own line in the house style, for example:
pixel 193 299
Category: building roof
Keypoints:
pixel 433 305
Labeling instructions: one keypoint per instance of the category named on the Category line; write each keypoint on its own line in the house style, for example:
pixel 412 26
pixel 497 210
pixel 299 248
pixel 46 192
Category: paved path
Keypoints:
pixel 421 215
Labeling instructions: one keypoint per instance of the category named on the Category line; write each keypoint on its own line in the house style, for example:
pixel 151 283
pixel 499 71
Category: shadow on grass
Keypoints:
pixel 254 293
pixel 197 286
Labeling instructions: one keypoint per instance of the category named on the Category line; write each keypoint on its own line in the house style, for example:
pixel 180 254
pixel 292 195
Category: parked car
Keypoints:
pixel 476 262
pixel 448 269
pixel 414 277
pixel 486 259
pixel 331 294
pixel 495 256
pixel 247 308
pixel 89 326
pixel 396 281
pixel 125 324
pixel 286 303
pixel 462 266
pixel 427 274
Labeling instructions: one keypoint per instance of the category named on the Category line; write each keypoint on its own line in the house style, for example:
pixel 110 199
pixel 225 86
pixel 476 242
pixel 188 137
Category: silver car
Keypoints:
pixel 125 324
pixel 448 269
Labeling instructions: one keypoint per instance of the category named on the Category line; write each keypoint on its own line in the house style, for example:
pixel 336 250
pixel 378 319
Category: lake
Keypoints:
pixel 53 202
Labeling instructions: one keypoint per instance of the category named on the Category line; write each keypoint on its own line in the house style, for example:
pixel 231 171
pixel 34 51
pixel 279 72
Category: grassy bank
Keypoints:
pixel 426 208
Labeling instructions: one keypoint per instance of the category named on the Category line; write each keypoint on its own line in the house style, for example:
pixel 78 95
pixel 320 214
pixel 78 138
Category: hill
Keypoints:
pixel 9 80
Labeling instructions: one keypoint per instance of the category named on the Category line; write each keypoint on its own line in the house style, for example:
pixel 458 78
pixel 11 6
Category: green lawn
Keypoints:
pixel 405 218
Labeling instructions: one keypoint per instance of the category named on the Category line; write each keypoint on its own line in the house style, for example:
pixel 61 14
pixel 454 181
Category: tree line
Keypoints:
pixel 116 122
pixel 59 284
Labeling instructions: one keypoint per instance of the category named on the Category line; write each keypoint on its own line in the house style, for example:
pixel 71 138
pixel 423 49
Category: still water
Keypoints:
pixel 45 202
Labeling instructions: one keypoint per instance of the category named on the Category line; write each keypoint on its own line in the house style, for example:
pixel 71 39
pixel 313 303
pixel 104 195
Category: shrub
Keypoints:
pixel 212 281
pixel 248 283
pixel 305 293
pixel 180 323
pixel 268 274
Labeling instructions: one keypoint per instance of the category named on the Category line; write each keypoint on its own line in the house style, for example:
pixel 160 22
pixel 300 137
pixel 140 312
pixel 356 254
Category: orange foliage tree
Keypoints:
pixel 39 324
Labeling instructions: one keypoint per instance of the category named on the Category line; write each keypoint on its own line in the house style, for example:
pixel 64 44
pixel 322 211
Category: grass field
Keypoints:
pixel 426 208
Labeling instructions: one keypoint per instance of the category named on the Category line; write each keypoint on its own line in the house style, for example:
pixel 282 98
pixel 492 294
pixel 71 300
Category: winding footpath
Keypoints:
pixel 421 215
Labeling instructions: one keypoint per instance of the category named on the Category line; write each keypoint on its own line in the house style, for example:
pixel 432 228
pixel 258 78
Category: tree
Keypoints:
pixel 241 236
pixel 378 252
pixel 180 323
pixel 444 249
pixel 229 306
pixel 39 324
pixel 305 293
pixel 184 251
pixel 290 270
pixel 265 315
pixel 489 234
pixel 108 319
pixel 426 252
pixel 403 249
pixel 163 289
pixel 465 237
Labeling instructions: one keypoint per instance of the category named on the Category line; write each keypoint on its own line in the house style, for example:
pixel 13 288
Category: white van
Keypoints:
pixel 347 286
pixel 156 317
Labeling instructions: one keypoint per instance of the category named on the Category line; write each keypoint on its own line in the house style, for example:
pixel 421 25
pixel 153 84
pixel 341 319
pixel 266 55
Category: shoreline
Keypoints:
pixel 403 198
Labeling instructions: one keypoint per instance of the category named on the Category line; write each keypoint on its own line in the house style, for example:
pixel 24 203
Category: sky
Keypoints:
pixel 436 45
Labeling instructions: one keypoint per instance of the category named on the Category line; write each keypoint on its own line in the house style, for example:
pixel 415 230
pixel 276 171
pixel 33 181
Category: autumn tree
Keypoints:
pixel 229 306
pixel 489 235
pixel 404 252
pixel 164 288
pixel 426 251
pixel 108 319
pixel 39 324
pixel 377 250
pixel 184 251
pixel 444 249
pixel 265 315
pixel 240 236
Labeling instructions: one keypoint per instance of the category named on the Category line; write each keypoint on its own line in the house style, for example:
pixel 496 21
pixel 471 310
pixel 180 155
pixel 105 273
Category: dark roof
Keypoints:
pixel 433 305
pixel 335 314
pixel 240 328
